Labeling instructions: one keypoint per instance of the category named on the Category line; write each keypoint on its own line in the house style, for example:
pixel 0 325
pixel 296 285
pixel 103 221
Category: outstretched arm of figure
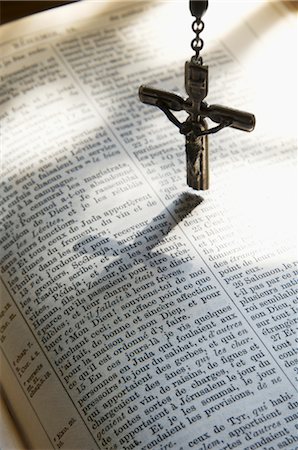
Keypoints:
pixel 163 107
pixel 165 101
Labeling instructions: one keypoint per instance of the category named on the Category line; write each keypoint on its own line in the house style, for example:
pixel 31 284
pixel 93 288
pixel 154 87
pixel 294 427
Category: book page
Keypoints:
pixel 10 437
pixel 136 312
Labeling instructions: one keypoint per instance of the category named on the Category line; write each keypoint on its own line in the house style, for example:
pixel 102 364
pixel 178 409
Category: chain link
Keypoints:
pixel 197 43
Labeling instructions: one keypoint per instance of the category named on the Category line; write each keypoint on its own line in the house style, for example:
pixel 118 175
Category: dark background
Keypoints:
pixel 11 10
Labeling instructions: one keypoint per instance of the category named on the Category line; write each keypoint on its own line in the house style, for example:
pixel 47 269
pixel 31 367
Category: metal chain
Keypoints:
pixel 197 43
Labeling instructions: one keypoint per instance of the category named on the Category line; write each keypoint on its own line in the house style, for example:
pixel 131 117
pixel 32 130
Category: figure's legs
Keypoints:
pixel 197 160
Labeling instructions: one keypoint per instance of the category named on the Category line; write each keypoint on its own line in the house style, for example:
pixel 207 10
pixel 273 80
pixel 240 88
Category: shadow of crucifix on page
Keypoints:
pixel 141 264
pixel 92 244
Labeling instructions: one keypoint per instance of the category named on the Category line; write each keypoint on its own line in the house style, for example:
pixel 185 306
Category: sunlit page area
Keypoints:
pixel 136 312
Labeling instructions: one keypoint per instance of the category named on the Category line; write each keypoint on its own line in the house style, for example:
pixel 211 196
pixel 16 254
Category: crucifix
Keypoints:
pixel 195 127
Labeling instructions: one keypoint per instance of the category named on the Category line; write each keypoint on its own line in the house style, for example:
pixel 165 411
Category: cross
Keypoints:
pixel 195 127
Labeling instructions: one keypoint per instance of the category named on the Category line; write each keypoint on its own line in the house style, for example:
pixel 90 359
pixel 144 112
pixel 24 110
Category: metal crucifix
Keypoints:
pixel 195 127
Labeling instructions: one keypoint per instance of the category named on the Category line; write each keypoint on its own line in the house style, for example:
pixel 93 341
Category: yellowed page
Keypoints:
pixel 10 436
pixel 137 313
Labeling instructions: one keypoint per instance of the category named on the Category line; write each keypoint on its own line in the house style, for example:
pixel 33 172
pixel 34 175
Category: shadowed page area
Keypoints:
pixel 141 314
pixel 12 10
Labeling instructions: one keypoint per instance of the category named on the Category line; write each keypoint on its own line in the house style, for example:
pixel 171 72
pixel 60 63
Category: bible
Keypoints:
pixel 135 313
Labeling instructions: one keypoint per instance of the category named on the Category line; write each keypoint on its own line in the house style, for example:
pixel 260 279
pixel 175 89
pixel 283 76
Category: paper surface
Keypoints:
pixel 137 313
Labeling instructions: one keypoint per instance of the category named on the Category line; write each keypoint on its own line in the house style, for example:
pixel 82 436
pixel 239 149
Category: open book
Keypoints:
pixel 137 313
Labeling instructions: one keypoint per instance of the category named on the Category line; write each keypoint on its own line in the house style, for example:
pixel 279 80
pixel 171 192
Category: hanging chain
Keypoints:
pixel 197 43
